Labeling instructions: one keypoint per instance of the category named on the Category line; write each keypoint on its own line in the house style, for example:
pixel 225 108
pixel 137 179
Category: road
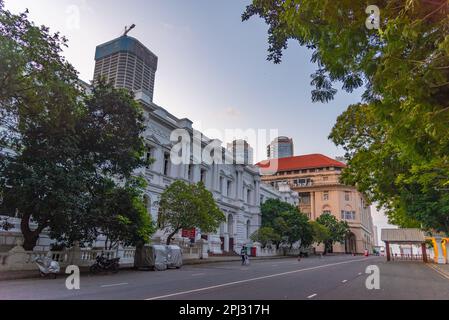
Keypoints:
pixel 328 278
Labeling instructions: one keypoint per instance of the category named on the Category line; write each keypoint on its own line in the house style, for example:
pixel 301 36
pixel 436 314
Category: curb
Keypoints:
pixel 26 275
pixel 237 259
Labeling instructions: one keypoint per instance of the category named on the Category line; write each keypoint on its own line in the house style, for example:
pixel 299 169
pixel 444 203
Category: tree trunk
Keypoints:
pixel 30 237
pixel 171 236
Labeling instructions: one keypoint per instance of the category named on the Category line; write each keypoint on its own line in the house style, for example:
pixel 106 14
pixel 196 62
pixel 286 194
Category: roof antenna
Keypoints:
pixel 127 30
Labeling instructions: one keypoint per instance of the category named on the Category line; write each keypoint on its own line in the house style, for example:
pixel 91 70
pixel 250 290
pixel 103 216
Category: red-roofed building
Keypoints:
pixel 316 178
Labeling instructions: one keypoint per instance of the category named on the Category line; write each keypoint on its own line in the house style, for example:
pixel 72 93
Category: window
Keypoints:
pixel 149 157
pixel 327 212
pixel 326 196
pixel 166 164
pixel 248 196
pixel 203 176
pixel 248 229
pixel 347 196
pixel 190 173
pixel 229 189
pixel 348 215
pixel 325 178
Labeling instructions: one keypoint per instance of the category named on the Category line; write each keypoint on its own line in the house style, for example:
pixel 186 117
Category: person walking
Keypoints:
pixel 243 254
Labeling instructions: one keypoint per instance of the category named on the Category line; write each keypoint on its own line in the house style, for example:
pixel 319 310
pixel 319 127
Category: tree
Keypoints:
pixel 397 139
pixel 184 206
pixel 58 146
pixel 338 230
pixel 321 234
pixel 298 229
pixel 287 222
pixel 119 214
pixel 265 236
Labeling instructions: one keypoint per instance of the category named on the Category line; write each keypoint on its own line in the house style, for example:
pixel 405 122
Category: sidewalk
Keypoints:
pixel 17 275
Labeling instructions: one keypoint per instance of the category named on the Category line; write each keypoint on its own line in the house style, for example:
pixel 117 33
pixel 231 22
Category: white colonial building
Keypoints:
pixel 237 189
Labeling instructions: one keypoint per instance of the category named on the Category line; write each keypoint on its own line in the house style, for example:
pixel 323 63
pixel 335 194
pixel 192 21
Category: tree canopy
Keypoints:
pixel 62 150
pixel 396 139
pixel 188 206
pixel 285 224
pixel 335 231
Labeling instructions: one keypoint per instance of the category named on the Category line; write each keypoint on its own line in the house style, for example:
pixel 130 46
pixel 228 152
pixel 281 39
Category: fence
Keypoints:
pixel 17 259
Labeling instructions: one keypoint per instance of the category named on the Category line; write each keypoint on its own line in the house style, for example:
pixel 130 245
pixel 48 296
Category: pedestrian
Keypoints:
pixel 243 255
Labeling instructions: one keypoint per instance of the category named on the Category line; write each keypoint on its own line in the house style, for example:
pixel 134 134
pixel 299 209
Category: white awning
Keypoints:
pixel 403 236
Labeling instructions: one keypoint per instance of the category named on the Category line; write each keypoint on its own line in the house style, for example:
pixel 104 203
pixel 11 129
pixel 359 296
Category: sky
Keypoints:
pixel 212 67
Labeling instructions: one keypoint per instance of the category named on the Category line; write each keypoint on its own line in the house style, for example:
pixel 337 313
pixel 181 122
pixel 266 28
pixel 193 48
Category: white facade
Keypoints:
pixel 236 188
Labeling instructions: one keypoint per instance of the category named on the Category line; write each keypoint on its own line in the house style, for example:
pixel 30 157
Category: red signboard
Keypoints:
pixel 191 234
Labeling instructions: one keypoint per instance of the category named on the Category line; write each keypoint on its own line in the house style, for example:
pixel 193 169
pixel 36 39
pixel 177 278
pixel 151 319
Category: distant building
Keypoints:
pixel 317 180
pixel 242 152
pixel 281 147
pixel 376 236
pixel 127 63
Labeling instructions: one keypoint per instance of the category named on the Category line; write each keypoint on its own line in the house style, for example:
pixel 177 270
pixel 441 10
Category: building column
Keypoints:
pixel 387 244
pixel 239 184
pixel 312 204
pixel 424 253
pixel 226 242
pixel 439 255
pixel 196 173
pixel 257 192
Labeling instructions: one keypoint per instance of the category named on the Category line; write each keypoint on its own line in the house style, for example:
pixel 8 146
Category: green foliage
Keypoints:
pixel 321 233
pixel 58 147
pixel 288 224
pixel 397 140
pixel 184 206
pixel 265 235
pixel 337 230
pixel 120 214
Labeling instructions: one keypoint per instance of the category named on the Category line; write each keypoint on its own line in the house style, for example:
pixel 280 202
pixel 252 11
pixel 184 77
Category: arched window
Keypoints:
pixel 248 229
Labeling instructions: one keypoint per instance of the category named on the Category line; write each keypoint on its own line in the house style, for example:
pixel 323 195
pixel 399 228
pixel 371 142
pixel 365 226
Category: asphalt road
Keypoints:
pixel 329 278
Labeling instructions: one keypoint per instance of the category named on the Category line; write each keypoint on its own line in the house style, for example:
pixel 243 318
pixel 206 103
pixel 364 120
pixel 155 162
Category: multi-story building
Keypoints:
pixel 316 178
pixel 281 147
pixel 127 63
pixel 242 152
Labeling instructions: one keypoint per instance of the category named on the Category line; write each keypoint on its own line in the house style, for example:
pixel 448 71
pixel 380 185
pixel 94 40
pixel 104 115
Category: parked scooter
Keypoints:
pixel 47 267
pixel 103 264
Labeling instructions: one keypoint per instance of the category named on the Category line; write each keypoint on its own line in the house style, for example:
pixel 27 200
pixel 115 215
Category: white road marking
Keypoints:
pixel 312 296
pixel 438 271
pixel 253 279
pixel 344 281
pixel 360 274
pixel 114 285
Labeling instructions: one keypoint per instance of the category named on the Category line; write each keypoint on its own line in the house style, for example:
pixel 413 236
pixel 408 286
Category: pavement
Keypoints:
pixel 327 278
pixel 16 275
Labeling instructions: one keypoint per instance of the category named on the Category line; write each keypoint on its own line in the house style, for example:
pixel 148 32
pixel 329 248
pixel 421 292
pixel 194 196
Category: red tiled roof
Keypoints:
pixel 310 161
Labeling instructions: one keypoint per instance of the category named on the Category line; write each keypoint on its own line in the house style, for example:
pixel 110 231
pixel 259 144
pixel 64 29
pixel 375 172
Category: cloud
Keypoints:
pixel 232 112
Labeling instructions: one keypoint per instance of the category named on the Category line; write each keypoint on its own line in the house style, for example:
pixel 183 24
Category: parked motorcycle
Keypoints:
pixel 47 267
pixel 103 264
